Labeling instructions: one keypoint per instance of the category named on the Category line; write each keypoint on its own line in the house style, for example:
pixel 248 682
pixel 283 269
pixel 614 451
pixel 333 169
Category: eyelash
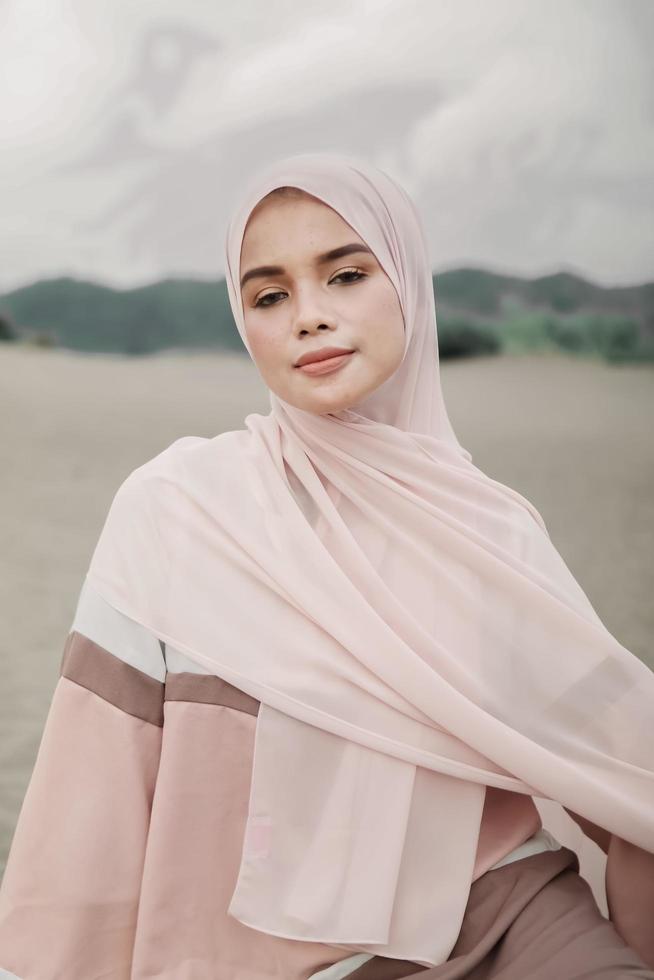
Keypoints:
pixel 346 272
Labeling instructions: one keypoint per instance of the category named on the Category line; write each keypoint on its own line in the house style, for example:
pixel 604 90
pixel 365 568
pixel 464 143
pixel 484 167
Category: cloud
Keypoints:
pixel 524 131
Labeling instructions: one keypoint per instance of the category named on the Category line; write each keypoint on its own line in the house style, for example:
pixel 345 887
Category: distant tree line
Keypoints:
pixel 478 313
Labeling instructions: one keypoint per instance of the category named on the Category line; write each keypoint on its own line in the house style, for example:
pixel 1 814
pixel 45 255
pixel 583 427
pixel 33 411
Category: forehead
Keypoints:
pixel 293 224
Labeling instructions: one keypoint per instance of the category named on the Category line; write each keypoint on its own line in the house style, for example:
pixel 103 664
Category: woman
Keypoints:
pixel 332 704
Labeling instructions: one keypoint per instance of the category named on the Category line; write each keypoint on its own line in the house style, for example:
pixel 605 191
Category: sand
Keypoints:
pixel 574 436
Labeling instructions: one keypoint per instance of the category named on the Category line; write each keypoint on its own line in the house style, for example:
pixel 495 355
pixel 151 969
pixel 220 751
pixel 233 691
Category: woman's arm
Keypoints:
pixel 601 837
pixel 69 897
pixel 629 887
pixel 630 895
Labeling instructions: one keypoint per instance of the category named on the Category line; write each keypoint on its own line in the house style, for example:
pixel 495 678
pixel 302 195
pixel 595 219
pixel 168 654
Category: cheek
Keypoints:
pixel 384 317
pixel 265 342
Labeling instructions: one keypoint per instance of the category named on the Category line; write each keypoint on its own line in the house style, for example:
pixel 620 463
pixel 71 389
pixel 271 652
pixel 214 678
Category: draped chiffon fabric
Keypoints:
pixel 127 848
pixel 409 627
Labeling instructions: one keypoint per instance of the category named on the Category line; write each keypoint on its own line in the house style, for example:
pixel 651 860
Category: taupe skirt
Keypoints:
pixel 532 919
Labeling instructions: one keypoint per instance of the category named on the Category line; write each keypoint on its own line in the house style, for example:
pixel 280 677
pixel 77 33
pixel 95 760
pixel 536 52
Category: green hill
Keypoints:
pixel 89 317
pixel 491 295
pixel 478 310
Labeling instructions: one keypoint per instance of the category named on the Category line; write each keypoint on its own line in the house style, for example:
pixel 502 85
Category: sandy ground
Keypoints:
pixel 573 436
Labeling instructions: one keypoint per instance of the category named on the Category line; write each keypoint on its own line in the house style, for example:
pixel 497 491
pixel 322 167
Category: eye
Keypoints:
pixel 260 301
pixel 346 272
pixel 350 272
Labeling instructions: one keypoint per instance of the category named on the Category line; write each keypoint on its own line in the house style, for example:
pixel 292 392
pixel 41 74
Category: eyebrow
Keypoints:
pixel 335 253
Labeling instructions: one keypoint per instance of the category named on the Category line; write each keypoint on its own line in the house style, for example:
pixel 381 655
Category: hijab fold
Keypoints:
pixel 409 627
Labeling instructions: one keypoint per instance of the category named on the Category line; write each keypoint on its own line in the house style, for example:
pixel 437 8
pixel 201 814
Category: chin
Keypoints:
pixel 333 404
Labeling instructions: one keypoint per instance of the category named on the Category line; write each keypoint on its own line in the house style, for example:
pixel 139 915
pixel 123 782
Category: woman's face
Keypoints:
pixel 301 300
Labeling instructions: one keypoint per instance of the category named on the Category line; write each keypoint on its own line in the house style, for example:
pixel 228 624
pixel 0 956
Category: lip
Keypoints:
pixel 321 355
pixel 325 364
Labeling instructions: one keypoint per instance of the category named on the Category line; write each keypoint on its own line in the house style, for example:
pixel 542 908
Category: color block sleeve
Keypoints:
pixel 70 893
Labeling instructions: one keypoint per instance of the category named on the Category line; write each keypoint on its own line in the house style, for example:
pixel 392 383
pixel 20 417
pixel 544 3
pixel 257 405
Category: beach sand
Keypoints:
pixel 573 436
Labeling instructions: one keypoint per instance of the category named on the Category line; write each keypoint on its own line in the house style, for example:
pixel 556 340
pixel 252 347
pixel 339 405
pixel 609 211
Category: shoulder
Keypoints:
pixel 187 469
pixel 164 464
pixel 157 496
pixel 148 482
pixel 188 455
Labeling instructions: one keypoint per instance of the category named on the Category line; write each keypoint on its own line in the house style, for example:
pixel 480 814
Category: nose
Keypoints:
pixel 310 314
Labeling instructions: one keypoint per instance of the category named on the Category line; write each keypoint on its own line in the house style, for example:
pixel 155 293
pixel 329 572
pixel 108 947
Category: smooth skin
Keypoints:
pixel 347 301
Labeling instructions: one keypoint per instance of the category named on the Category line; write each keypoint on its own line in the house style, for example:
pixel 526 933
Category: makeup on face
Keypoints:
pixel 325 365
pixel 313 298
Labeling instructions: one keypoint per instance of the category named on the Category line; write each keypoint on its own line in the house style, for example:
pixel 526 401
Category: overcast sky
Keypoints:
pixel 524 129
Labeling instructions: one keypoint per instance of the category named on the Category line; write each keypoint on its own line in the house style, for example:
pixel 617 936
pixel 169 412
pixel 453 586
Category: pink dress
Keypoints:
pixel 127 846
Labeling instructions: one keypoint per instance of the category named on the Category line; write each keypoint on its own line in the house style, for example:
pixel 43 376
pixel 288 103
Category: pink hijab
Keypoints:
pixel 409 627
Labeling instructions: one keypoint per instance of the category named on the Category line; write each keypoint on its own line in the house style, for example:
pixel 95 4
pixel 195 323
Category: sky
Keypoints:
pixel 523 129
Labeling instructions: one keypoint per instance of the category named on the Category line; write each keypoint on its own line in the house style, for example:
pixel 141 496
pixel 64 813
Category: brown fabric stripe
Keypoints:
pixel 95 668
pixel 208 689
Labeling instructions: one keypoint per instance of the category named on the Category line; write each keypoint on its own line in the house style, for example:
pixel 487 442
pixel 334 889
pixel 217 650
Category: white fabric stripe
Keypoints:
pixel 6 975
pixel 127 639
pixel 343 968
pixel 121 636
pixel 177 662
pixel 542 840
